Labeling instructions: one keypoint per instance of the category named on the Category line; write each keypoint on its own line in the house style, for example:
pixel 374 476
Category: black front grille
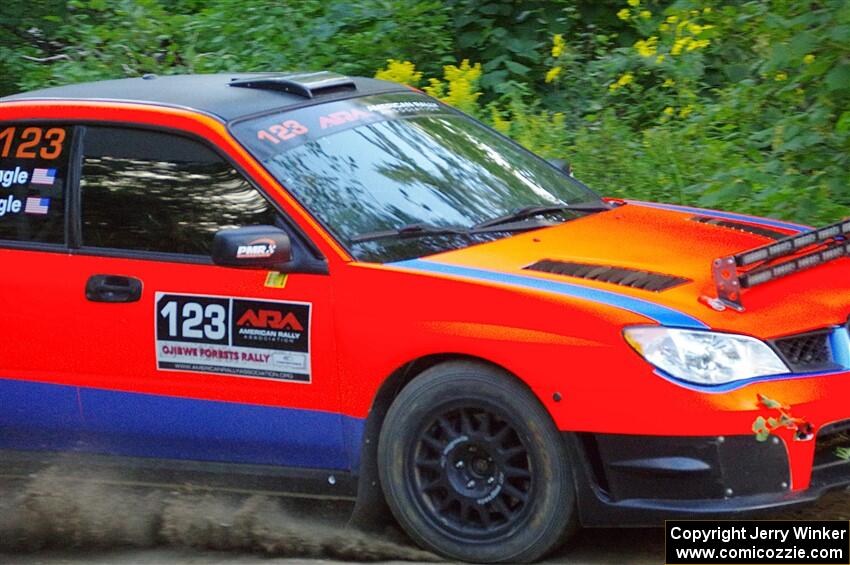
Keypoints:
pixel 634 278
pixel 740 226
pixel 806 352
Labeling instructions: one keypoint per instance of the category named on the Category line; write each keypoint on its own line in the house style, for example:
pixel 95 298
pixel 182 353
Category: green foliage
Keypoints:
pixel 738 104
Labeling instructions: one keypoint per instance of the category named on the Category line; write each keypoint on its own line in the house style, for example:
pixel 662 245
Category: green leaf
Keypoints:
pixel 762 436
pixel 769 402
pixel 759 425
pixel 843 123
pixel 517 68
pixel 838 78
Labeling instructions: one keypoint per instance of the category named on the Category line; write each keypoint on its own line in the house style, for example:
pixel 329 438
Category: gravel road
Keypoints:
pixel 53 520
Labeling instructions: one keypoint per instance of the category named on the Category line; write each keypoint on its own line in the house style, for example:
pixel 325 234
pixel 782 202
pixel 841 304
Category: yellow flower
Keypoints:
pixel 663 27
pixel 668 83
pixel 557 45
pixel 668 111
pixel 553 74
pixel 695 29
pixel 809 59
pixel 780 76
pixel 647 48
pixel 679 45
pixel 659 59
pixel 500 124
pixel 645 14
pixel 460 88
pixel 633 3
pixel 627 78
pixel 624 14
pixel 672 19
pixel 698 44
pixel 400 71
pixel 613 86
pixel 686 111
pixel 706 10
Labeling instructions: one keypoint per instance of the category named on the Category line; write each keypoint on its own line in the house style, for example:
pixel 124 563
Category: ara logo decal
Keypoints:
pixel 257 249
pixel 270 319
pixel 343 117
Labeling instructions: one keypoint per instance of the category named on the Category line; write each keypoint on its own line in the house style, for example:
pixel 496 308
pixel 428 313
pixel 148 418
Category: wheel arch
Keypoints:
pixel 370 510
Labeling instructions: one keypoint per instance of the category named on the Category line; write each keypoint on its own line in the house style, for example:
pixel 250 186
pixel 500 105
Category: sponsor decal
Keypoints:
pixel 233 336
pixel 13 177
pixel 276 280
pixel 257 249
pixel 10 205
pixel 44 177
pixel 343 117
pixel 37 206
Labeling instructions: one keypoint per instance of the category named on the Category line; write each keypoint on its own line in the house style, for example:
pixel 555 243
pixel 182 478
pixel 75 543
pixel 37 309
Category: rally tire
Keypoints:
pixel 473 467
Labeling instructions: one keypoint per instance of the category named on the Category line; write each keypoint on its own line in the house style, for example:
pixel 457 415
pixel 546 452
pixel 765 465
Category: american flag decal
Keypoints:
pixel 44 176
pixel 35 205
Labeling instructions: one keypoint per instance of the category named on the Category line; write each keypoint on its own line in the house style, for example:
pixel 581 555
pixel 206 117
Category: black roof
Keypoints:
pixel 210 94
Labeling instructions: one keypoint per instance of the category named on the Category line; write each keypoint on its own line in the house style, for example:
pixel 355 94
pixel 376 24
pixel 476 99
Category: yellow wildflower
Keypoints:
pixel 633 3
pixel 668 111
pixel 663 27
pixel 648 47
pixel 627 78
pixel 679 45
pixel 499 123
pixel 557 45
pixel 672 19
pixel 669 83
pixel 706 10
pixel 645 14
pixel 660 59
pixel 780 76
pixel 400 71
pixel 809 59
pixel 553 74
pixel 698 44
pixel 686 111
pixel 695 29
pixel 624 14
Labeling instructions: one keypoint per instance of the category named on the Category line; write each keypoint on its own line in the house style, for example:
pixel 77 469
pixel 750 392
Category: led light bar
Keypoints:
pixel 730 282
pixel 792 244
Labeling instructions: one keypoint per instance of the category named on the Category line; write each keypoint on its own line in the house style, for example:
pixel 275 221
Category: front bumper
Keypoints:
pixel 639 480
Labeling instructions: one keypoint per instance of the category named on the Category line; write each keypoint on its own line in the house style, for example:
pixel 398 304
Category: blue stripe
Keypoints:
pixel 661 314
pixel 725 215
pixel 49 417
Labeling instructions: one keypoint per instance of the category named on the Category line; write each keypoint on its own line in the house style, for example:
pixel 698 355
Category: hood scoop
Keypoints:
pixel 644 280
pixel 740 226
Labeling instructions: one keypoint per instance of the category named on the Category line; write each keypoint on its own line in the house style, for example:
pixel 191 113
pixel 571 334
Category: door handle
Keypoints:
pixel 113 288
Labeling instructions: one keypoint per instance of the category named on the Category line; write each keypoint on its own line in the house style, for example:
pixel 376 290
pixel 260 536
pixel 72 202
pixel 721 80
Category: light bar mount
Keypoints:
pixel 824 244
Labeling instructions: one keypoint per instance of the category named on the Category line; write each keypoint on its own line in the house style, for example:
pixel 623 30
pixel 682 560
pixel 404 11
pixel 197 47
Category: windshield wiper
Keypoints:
pixel 531 211
pixel 409 230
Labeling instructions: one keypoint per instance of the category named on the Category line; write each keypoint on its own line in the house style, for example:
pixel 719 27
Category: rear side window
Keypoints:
pixel 33 180
pixel 151 191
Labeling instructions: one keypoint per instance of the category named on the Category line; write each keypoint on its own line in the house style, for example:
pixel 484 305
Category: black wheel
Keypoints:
pixel 473 467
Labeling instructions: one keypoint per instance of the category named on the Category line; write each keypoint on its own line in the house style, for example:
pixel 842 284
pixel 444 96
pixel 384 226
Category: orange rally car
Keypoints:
pixel 339 286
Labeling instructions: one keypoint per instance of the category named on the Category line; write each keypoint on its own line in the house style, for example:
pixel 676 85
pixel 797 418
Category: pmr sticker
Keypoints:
pixel 233 336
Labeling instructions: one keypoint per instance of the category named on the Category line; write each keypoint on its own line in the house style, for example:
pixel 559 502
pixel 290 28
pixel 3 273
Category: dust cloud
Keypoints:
pixel 53 510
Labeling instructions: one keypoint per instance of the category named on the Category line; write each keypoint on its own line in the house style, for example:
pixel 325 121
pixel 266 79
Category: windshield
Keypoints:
pixel 381 163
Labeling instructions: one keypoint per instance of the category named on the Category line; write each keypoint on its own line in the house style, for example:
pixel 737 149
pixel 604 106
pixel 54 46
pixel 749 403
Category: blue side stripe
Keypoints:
pixel 725 215
pixel 661 314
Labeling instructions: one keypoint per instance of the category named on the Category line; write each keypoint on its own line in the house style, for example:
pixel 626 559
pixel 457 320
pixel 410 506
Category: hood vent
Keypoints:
pixel 634 278
pixel 740 226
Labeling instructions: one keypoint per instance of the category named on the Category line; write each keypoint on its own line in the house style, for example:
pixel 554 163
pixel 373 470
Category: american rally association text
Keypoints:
pixel 725 535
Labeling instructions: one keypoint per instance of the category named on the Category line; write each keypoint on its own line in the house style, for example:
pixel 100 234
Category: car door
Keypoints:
pixel 39 408
pixel 183 359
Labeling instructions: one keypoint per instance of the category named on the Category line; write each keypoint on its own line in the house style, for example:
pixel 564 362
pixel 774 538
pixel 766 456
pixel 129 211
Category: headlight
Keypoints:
pixel 705 357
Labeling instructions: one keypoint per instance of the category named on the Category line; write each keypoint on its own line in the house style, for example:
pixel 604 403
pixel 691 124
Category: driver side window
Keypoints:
pixel 157 192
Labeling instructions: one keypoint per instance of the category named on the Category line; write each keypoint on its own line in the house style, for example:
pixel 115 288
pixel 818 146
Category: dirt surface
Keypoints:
pixel 53 519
